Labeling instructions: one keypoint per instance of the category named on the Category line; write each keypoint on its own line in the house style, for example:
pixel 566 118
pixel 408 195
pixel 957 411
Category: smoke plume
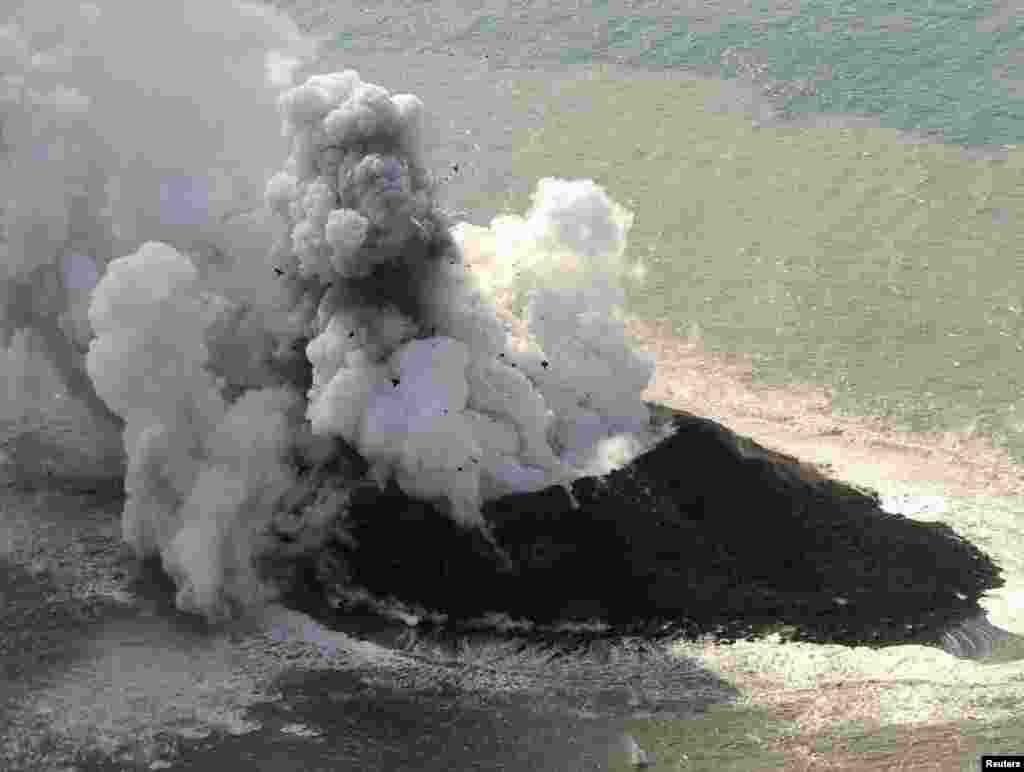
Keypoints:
pixel 241 343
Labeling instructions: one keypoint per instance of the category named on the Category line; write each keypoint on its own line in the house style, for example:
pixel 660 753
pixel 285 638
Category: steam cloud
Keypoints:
pixel 462 362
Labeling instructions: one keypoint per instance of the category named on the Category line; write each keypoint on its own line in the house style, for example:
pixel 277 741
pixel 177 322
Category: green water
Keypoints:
pixel 949 68
pixel 887 269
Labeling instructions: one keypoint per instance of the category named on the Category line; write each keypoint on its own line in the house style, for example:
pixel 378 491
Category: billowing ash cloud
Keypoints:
pixel 412 364
pixel 203 474
pixel 462 363
pixel 122 122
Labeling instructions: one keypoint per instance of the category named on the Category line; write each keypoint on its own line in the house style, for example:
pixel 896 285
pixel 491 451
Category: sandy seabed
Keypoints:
pixel 799 419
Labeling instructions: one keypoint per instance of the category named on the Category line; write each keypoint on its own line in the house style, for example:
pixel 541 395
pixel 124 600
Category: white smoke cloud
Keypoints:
pixel 231 505
pixel 238 343
pixel 203 475
pixel 123 122
pixel 564 265
pixel 439 398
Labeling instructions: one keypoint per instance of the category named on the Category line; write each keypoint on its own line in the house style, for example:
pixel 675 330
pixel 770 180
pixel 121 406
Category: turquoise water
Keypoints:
pixel 935 67
pixel 954 70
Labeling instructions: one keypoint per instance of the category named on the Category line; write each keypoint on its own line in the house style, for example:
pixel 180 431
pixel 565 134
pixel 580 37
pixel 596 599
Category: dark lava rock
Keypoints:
pixel 708 532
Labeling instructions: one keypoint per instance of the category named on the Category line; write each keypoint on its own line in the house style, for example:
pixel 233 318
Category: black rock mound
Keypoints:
pixel 706 533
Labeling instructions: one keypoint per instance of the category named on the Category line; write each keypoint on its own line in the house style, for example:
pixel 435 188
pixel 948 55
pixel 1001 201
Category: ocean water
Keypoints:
pixel 829 192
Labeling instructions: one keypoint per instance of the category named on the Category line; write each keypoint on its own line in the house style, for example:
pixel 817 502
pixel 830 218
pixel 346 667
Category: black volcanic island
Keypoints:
pixel 705 533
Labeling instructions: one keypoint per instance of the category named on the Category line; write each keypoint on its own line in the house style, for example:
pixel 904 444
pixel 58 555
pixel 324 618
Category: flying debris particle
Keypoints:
pixel 421 227
pixel 544 364
pixel 395 382
pixel 638 757
pixel 278 271
pixel 451 175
